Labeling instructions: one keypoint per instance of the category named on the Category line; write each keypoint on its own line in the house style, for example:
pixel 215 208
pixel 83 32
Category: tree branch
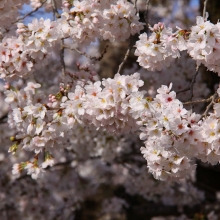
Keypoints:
pixel 135 5
pixel 199 101
pixel 204 8
pixel 210 105
pixel 85 54
pixel 55 11
pixel 63 65
pixel 3 119
pixel 146 11
pixel 190 87
pixel 192 84
pixel 125 57
pixel 30 13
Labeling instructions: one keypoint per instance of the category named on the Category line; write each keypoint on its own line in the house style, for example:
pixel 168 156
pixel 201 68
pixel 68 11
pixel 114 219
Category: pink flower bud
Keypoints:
pixel 95 20
pixel 77 19
pixel 7 86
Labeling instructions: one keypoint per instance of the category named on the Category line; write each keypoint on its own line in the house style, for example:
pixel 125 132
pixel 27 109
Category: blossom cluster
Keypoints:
pixel 28 117
pixel 174 136
pixel 29 51
pixel 201 42
pixel 9 11
pixel 108 20
pixel 107 108
pixel 79 127
pixel 158 50
pixel 180 75
pixel 210 135
pixel 43 125
pixel 204 43
pixel 171 134
pixel 38 122
pixel 84 22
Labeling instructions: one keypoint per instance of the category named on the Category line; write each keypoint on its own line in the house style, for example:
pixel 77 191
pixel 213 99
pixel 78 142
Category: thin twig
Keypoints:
pixel 63 65
pixel 210 105
pixel 183 90
pixel 24 176
pixel 30 13
pixel 130 39
pixel 57 15
pixel 198 101
pixel 125 58
pixel 197 67
pixel 204 8
pixel 104 52
pixel 86 55
pixel 190 87
pixel 192 82
pixel 146 11
pixel 135 5
pixel 55 11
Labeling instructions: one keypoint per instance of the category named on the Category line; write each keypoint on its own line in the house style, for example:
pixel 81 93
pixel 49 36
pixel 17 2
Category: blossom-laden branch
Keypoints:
pixel 130 39
pixel 190 87
pixel 87 110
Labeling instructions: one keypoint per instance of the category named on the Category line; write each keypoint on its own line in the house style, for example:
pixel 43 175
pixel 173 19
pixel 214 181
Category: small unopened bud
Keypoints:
pixel 7 86
pixel 66 4
pixel 149 99
pixel 12 138
pixel 13 148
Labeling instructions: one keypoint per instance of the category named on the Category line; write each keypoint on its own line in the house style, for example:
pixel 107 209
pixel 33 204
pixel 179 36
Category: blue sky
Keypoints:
pixel 38 14
pixel 41 13
pixel 194 3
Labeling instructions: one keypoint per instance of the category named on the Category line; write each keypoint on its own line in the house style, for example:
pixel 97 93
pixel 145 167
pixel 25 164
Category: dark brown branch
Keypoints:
pixel 192 82
pixel 63 65
pixel 190 87
pixel 3 119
